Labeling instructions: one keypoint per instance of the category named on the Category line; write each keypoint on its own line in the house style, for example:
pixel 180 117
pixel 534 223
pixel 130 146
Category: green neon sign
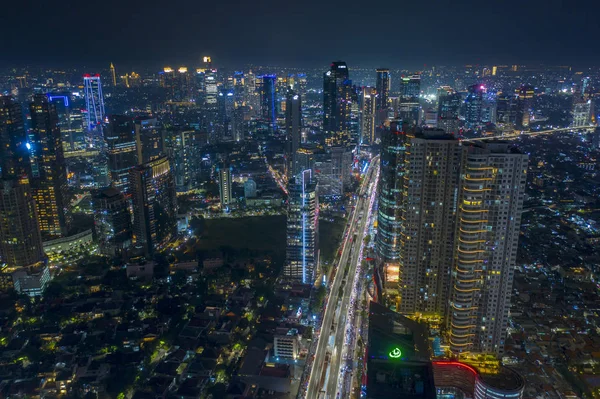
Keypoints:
pixel 395 353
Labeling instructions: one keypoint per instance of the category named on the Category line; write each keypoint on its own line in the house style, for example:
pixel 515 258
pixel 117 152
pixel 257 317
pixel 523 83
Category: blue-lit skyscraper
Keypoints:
pixel 302 254
pixel 94 101
pixel 267 100
pixel 474 105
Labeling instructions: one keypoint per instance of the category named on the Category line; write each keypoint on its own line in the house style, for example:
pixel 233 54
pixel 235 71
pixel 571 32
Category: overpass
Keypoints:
pixel 518 133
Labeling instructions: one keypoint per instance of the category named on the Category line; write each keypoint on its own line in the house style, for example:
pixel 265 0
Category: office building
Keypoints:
pixel 20 239
pixel 113 74
pixel 121 148
pixel 225 114
pixel 154 204
pixel 582 112
pixel 524 94
pixel 398 364
pixel 112 221
pixel 302 253
pixel 507 110
pixel 286 344
pixel 250 188
pixel 490 201
pixel 473 106
pixel 337 98
pixel 70 121
pixel 268 98
pixel 457 379
pixel 393 146
pixel 367 114
pixel 293 130
pixel 382 85
pixel 149 139
pixel 409 108
pixel 31 281
pixel 448 111
pixel 48 177
pixel 14 145
pixel 94 101
pixel 187 162
pixel 430 165
pixel 342 161
pixel 225 187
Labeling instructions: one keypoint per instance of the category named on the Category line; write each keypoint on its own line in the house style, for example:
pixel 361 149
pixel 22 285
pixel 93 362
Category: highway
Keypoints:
pixel 324 380
pixel 517 133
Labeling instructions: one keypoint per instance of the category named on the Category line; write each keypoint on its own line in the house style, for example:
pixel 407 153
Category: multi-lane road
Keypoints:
pixel 327 371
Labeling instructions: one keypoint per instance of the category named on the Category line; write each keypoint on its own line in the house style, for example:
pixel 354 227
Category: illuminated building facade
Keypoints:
pixel 524 95
pixel 382 86
pixel 268 98
pixel 154 204
pixel 582 112
pixel 120 138
pixel 427 212
pixel 225 187
pixel 113 74
pixel 474 105
pixel 302 253
pixel 393 146
pixel 48 177
pixel 149 139
pixel 70 121
pixel 94 101
pixel 397 357
pixel 14 147
pixel 449 103
pixel 409 108
pixel 337 98
pixel 112 221
pixel 20 239
pixel 490 202
pixel 461 379
pixel 367 114
pixel 293 130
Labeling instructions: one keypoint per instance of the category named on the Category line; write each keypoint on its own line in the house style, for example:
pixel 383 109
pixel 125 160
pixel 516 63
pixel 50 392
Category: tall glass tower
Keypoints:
pixel 94 101
pixel 302 255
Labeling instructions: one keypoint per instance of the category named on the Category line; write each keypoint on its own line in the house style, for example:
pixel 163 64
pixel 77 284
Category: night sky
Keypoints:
pixel 300 33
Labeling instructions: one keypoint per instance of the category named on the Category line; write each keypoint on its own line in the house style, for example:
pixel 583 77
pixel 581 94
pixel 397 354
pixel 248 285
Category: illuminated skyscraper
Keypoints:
pixel 393 146
pixel 154 204
pixel 582 112
pixel 474 105
pixel 226 111
pixel 409 108
pixel 382 85
pixel 225 186
pixel 524 95
pixel 14 147
pixel 70 121
pixel 368 100
pixel 268 99
pixel 449 103
pixel 427 200
pixel 94 101
pixel 149 138
pixel 293 129
pixel 337 98
pixel 112 221
pixel 121 147
pixel 48 169
pixel 20 239
pixel 490 202
pixel 302 254
pixel 113 74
